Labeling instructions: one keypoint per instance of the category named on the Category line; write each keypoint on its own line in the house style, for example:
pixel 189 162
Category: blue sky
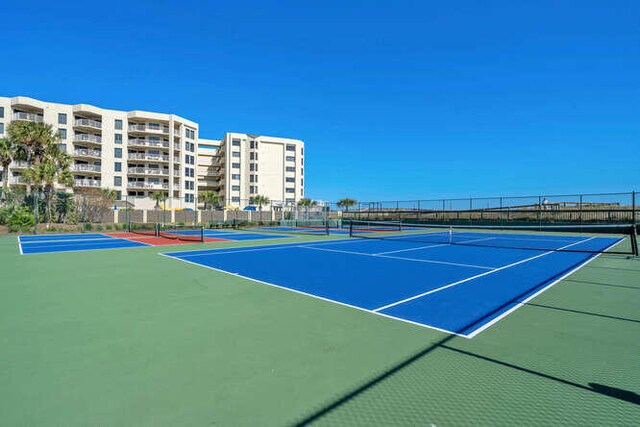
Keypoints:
pixel 393 99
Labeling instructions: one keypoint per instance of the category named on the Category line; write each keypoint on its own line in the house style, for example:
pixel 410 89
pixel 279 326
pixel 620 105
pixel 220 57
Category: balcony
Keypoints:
pixel 86 168
pixel 176 173
pixel 19 164
pixel 176 147
pixel 87 123
pixel 176 160
pixel 143 142
pixel 145 128
pixel 85 137
pixel 90 183
pixel 84 152
pixel 148 157
pixel 29 117
pixel 148 171
pixel 17 180
pixel 147 185
pixel 176 132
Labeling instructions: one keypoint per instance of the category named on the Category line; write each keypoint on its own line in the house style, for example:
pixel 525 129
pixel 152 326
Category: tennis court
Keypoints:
pixel 459 284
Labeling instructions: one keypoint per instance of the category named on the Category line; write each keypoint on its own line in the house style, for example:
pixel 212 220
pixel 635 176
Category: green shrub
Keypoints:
pixel 21 219
pixel 87 226
pixel 99 228
pixel 109 227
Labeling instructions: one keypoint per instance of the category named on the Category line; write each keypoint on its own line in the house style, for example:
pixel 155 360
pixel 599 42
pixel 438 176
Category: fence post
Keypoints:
pixel 470 209
pixel 501 213
pixel 540 212
pixel 35 213
pixel 580 211
pixel 84 212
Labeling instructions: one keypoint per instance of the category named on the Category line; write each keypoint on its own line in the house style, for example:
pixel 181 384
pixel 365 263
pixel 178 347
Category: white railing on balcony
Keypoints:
pixel 152 157
pixel 176 132
pixel 147 185
pixel 19 164
pixel 32 117
pixel 147 143
pixel 148 171
pixel 16 180
pixel 86 168
pixel 88 123
pixel 87 183
pixel 176 147
pixel 176 160
pixel 142 127
pixel 87 153
pixel 88 138
pixel 176 173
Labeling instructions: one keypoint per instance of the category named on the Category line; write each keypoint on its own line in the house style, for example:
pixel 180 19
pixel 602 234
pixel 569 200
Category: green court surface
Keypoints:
pixel 127 337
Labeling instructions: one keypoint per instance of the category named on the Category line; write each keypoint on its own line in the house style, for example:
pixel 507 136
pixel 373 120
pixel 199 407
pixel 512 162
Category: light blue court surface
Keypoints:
pixel 72 243
pixel 236 235
pixel 455 288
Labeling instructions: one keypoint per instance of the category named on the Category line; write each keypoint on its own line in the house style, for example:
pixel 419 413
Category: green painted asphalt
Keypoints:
pixel 127 337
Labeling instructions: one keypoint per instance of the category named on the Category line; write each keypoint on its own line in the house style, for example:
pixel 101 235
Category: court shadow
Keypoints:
pixel 587 313
pixel 618 393
pixel 637 288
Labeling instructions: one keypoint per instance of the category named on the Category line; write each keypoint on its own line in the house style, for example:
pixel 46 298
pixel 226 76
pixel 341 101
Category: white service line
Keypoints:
pixel 526 300
pixel 366 310
pixel 434 246
pixel 476 276
pixel 400 258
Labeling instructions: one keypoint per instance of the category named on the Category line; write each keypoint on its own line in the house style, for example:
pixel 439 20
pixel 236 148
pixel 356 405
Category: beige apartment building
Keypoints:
pixel 138 153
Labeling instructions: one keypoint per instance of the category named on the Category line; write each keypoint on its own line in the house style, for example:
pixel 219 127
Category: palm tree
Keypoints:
pixel 210 199
pixel 346 203
pixel 31 140
pixel 157 197
pixel 260 201
pixel 6 156
pixel 307 203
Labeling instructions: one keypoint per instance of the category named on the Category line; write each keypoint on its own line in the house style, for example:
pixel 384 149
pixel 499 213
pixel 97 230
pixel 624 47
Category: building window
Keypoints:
pixel 290 169
pixel 252 189
pixel 252 167
pixel 62 133
pixel 302 171
pixel 235 165
pixel 302 151
pixel 62 147
pixel 117 181
pixel 252 156
pixel 1 112
pixel 235 199
pixel 117 153
pixel 291 180
pixel 153 126
pixel 235 176
pixel 291 159
pixel 291 147
pixel 62 119
pixel 235 143
pixel 235 154
pixel 252 178
pixel 118 138
pixel 252 144
pixel 1 128
pixel 118 124
pixel 117 166
pixel 290 190
pixel 235 188
pixel 302 182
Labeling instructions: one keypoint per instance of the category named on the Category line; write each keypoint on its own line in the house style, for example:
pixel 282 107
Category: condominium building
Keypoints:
pixel 135 153
pixel 138 153
pixel 249 165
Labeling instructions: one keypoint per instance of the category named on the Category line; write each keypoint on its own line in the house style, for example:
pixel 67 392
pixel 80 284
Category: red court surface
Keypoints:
pixel 160 241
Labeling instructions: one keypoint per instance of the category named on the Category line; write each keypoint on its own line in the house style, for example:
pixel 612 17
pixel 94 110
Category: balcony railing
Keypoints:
pixel 84 137
pixel 148 171
pixel 147 185
pixel 16 180
pixel 86 168
pixel 31 117
pixel 176 173
pixel 142 142
pixel 87 153
pixel 142 127
pixel 151 157
pixel 176 147
pixel 93 183
pixel 19 164
pixel 88 123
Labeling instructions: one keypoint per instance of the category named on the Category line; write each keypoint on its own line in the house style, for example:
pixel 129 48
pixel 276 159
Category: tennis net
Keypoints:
pixel 144 228
pixel 187 233
pixel 610 238
pixel 311 227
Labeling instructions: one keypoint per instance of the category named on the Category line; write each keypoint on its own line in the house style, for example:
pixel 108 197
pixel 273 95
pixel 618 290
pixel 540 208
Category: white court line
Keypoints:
pixel 37 242
pixel 20 246
pixel 316 296
pixel 476 276
pixel 526 300
pixel 433 246
pixel 222 251
pixel 399 258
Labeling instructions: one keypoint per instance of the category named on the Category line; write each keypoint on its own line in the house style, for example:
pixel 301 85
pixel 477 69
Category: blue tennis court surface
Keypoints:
pixel 72 242
pixel 238 235
pixel 453 288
